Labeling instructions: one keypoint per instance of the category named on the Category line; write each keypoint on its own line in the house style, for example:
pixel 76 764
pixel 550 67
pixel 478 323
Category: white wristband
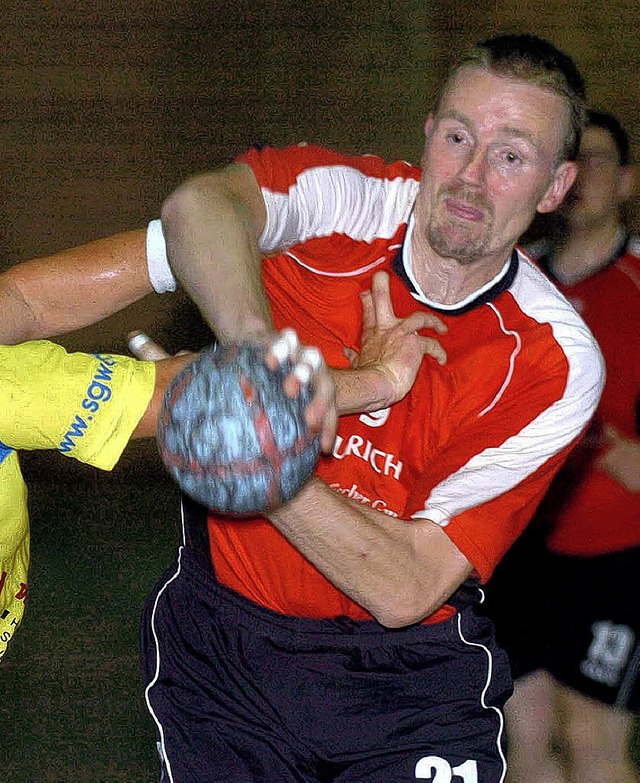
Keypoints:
pixel 158 269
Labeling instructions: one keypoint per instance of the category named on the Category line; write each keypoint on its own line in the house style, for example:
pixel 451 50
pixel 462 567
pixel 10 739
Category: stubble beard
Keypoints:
pixel 451 238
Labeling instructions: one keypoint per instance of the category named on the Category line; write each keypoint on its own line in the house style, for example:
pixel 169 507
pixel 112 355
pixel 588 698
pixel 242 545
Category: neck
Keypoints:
pixel 448 281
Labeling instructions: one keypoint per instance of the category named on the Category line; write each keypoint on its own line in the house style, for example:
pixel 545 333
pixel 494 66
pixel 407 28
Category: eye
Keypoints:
pixel 509 156
pixel 507 159
pixel 455 137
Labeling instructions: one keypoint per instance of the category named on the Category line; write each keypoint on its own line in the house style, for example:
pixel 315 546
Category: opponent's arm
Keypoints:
pixel 166 365
pixel 65 291
pixel 87 406
pixel 165 370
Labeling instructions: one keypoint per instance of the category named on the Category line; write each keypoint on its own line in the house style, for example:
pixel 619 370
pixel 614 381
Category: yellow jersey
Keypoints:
pixel 85 406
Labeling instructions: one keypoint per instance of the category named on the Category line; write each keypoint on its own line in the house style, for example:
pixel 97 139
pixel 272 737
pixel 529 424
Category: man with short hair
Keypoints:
pixel 337 639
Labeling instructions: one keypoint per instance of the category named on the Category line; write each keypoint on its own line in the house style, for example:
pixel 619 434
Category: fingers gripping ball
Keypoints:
pixel 229 435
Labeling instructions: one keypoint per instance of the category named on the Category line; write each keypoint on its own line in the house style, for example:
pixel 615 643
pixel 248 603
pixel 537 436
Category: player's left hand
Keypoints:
pixel 393 346
pixel 621 458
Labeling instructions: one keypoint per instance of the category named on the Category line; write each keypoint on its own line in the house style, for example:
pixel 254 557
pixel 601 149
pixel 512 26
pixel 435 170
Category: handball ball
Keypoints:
pixel 229 435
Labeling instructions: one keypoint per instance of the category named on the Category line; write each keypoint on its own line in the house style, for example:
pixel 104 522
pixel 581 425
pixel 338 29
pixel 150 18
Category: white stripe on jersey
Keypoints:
pixel 345 201
pixel 497 470
pixel 517 345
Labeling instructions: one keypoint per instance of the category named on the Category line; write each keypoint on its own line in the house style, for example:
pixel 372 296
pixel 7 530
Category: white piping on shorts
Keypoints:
pixel 482 697
pixel 628 681
pixel 165 758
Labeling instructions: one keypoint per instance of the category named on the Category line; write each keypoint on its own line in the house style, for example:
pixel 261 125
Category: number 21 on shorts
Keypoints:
pixel 438 770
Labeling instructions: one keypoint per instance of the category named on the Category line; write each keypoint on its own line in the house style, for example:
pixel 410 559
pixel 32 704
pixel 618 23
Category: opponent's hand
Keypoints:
pixel 308 367
pixel 143 347
pixel 391 346
pixel 147 349
pixel 621 458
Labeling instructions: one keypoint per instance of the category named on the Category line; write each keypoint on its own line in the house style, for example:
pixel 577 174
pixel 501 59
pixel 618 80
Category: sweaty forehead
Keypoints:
pixel 492 102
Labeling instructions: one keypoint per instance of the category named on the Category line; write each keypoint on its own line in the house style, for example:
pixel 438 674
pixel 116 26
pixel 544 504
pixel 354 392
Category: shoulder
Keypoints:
pixel 539 299
pixel 534 289
pixel 291 162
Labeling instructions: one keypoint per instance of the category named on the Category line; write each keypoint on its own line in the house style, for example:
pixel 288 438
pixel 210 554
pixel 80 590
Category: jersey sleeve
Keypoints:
pixel 311 193
pixel 84 405
pixel 494 466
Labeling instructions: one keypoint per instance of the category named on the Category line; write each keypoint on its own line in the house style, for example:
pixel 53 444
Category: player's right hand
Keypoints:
pixel 308 366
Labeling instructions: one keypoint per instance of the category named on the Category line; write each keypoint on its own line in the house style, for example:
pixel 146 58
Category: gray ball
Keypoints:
pixel 229 435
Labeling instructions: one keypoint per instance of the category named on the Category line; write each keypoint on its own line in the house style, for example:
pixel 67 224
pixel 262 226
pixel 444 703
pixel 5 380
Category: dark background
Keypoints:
pixel 105 107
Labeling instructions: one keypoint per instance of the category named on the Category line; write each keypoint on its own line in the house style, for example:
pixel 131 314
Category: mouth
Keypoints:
pixel 463 211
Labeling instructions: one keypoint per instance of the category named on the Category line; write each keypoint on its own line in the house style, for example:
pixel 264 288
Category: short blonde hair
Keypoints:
pixel 538 62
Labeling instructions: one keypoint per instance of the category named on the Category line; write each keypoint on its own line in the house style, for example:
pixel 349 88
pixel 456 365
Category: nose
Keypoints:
pixel 473 169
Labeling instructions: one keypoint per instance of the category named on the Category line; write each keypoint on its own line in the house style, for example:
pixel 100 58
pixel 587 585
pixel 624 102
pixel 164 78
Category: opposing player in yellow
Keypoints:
pixel 85 406
pixel 88 407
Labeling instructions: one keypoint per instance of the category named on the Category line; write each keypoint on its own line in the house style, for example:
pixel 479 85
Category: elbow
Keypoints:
pixel 19 320
pixel 404 610
pixel 186 201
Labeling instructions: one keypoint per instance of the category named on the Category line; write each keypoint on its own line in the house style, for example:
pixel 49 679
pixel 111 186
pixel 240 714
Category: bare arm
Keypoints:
pixel 73 288
pixel 400 571
pixel 621 459
pixel 165 370
pixel 211 225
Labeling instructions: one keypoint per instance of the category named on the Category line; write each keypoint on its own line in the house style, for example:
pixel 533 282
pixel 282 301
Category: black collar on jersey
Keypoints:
pixel 547 258
pixel 487 295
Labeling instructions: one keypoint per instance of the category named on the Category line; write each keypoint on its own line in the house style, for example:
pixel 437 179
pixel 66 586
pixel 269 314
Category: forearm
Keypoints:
pixel 74 288
pixel 211 225
pixel 360 391
pixel 165 371
pixel 400 571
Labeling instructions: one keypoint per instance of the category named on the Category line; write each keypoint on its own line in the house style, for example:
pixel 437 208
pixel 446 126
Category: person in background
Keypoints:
pixel 565 600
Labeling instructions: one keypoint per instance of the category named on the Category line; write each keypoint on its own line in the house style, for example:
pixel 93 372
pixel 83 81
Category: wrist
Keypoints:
pixel 360 391
pixel 250 329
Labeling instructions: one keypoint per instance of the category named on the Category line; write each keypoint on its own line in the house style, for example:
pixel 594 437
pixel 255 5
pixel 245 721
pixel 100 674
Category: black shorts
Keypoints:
pixel 239 693
pixel 576 617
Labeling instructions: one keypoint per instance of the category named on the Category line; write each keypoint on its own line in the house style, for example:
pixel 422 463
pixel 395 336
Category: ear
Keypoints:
pixel 428 125
pixel 563 178
pixel 626 183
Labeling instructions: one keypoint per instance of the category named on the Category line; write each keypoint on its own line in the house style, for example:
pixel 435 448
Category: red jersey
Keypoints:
pixel 475 443
pixel 591 513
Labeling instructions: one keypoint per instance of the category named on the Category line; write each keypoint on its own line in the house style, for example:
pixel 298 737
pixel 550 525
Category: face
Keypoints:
pixel 601 184
pixel 490 162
